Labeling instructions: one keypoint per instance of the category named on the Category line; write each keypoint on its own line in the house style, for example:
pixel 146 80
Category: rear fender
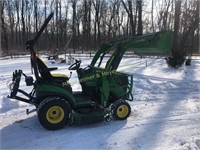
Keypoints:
pixel 46 90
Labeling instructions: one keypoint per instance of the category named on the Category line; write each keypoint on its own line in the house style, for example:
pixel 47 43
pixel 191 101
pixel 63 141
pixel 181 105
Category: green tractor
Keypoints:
pixel 105 91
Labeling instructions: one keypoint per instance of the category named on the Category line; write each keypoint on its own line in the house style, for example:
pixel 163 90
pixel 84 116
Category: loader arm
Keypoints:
pixel 153 44
pixel 101 53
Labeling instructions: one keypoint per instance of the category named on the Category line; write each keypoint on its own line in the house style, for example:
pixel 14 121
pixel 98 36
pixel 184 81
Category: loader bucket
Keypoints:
pixel 154 44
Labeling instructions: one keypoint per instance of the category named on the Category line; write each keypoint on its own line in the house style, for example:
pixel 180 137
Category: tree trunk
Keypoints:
pixel 17 41
pixel 85 26
pixel 11 23
pixel 4 35
pixel 89 22
pixel 57 25
pixel 61 25
pixel 178 55
pixel 46 31
pixel 175 50
pixel 152 23
pixel 140 28
pixel 74 23
pixel 130 15
pixel 36 17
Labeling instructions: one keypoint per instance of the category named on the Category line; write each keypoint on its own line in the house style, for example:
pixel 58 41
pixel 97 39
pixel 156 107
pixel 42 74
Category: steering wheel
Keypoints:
pixel 75 66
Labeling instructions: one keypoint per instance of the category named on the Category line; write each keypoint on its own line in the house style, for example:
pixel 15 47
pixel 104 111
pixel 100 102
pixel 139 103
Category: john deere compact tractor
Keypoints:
pixel 105 91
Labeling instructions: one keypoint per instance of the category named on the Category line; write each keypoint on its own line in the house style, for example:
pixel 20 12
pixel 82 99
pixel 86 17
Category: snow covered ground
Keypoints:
pixel 165 112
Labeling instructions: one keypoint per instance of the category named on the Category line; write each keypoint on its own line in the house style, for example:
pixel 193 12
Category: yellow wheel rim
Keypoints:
pixel 55 114
pixel 122 111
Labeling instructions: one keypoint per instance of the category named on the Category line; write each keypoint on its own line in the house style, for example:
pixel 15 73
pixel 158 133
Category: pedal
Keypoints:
pixel 29 112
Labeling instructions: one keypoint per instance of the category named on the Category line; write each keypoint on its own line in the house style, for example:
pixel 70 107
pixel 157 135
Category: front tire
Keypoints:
pixel 53 113
pixel 121 109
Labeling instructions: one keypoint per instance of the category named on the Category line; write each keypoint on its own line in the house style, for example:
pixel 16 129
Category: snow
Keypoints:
pixel 165 111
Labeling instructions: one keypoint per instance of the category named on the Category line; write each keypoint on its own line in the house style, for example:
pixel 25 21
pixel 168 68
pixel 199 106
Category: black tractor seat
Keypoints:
pixel 46 74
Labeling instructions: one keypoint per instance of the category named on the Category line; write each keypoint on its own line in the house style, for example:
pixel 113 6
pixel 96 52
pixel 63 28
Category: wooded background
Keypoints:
pixel 92 22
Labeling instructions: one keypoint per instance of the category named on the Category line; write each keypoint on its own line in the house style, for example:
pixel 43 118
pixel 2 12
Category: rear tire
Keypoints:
pixel 53 113
pixel 121 109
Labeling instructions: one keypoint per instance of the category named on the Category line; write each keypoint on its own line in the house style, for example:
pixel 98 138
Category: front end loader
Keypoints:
pixel 105 91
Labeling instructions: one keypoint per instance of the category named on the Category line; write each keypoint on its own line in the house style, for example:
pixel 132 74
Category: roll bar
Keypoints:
pixel 30 44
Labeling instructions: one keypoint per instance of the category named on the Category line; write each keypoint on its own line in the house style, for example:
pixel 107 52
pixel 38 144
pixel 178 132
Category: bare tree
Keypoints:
pixel 98 7
pixel 4 33
pixel 175 50
pixel 139 8
pixel 193 26
pixel 36 14
pixel 152 18
pixel 130 15
pixel 86 21
pixel 57 26
pixel 74 2
pixel 17 27
pixel 177 58
pixel 114 11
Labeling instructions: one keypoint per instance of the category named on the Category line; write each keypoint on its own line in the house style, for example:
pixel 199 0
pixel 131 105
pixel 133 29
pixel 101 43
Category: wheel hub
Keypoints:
pixel 122 111
pixel 55 114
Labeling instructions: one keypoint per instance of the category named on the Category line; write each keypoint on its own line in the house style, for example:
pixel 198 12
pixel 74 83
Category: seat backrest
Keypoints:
pixel 43 70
